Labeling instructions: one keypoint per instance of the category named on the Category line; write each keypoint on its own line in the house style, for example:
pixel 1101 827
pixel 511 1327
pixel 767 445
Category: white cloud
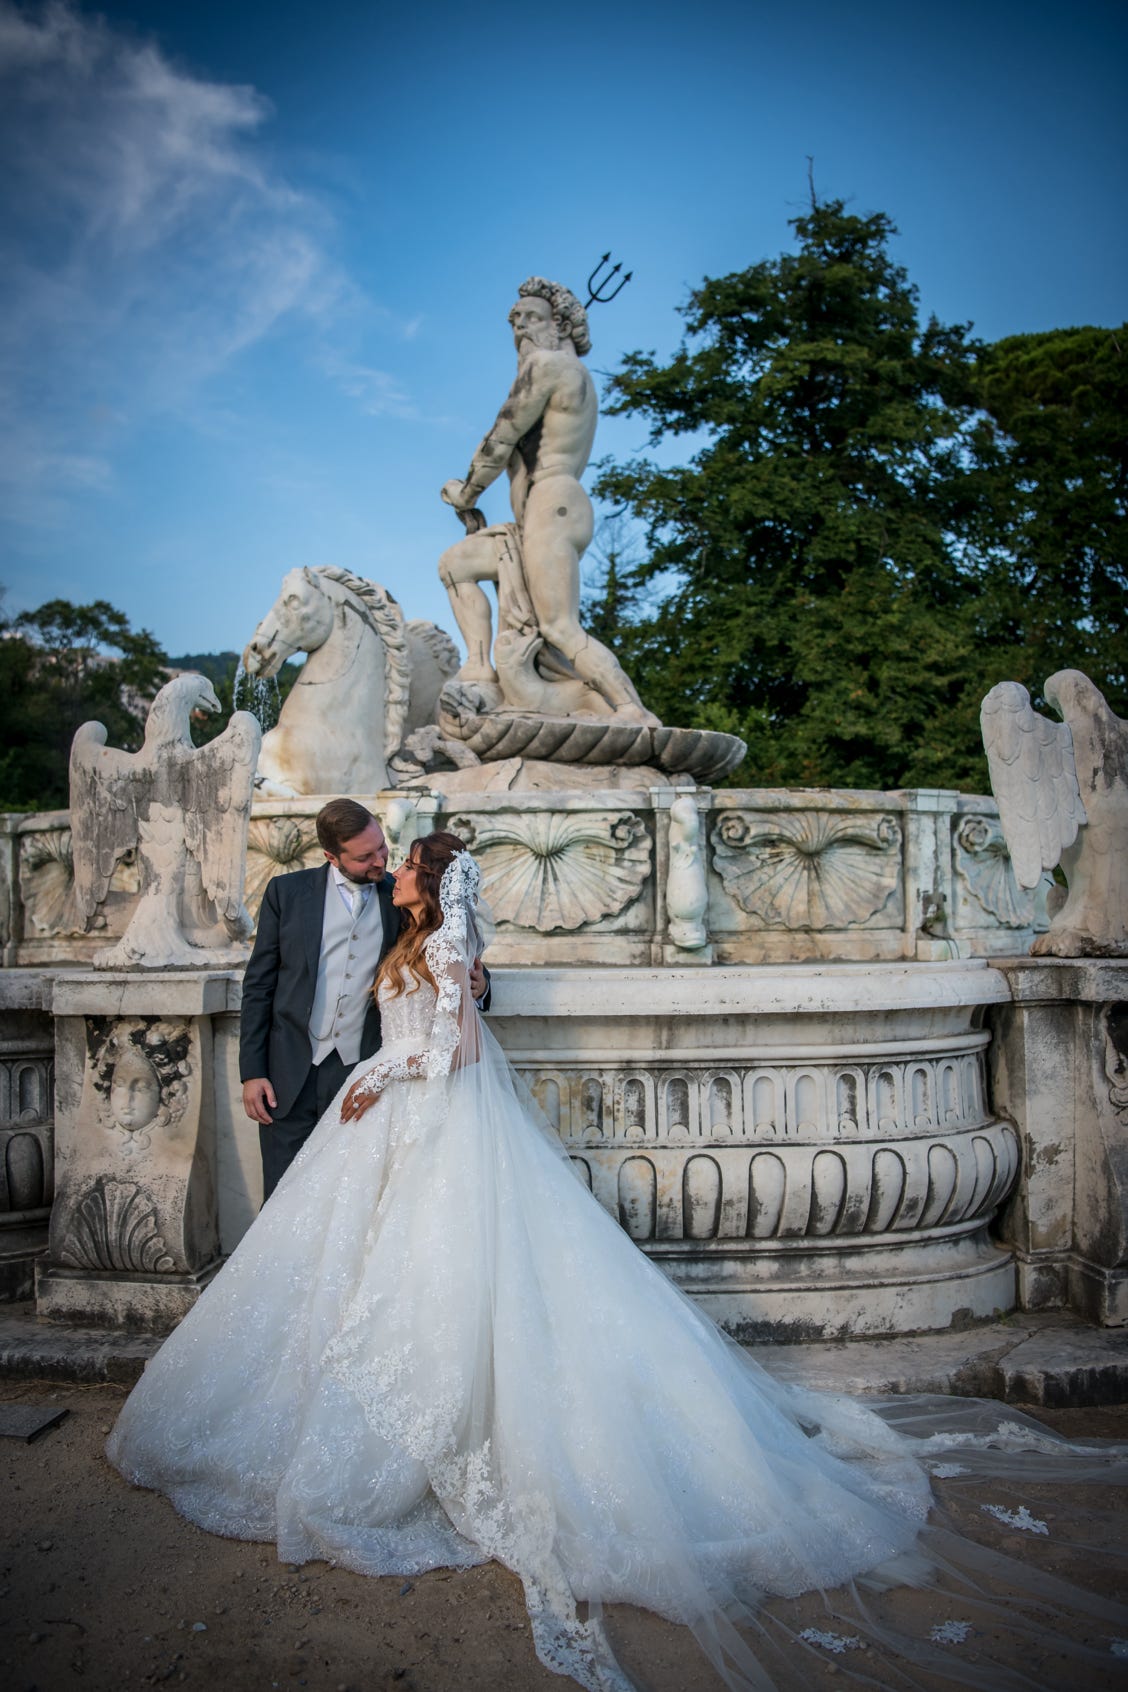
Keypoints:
pixel 377 393
pixel 147 240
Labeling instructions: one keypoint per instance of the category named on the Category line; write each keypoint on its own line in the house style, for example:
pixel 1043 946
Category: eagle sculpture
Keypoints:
pixel 1062 792
pixel 185 809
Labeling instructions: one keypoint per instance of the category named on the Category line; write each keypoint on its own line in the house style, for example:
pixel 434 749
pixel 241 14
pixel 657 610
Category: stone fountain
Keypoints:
pixel 793 1040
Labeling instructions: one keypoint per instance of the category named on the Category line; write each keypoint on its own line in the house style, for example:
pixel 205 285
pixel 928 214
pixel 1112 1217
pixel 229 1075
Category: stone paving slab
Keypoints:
pixel 48 1351
pixel 1051 1360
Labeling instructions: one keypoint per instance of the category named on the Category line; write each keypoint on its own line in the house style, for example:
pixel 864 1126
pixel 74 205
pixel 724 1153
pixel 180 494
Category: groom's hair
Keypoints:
pixel 339 821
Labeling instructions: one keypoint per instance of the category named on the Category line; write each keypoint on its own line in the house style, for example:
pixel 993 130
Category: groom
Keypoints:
pixel 308 1010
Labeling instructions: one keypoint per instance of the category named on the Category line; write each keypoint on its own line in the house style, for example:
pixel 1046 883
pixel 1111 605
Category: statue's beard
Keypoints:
pixel 543 338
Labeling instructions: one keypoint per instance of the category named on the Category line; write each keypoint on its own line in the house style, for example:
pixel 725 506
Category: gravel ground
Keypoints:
pixel 104 1587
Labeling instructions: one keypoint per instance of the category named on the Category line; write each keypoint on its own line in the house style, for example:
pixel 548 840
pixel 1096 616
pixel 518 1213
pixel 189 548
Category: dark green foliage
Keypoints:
pixel 611 601
pixel 1059 460
pixel 55 674
pixel 842 544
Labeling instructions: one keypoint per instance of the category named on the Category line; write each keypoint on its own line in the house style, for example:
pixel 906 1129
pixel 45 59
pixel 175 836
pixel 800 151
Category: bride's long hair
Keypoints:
pixel 430 857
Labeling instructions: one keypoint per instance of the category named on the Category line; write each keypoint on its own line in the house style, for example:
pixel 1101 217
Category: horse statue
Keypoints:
pixel 371 678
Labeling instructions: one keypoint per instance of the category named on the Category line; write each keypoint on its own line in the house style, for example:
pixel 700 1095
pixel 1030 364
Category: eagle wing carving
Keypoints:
pixel 1034 780
pixel 218 785
pixel 103 807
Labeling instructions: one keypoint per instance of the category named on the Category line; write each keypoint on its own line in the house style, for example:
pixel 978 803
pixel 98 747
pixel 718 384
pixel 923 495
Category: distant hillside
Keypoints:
pixel 217 666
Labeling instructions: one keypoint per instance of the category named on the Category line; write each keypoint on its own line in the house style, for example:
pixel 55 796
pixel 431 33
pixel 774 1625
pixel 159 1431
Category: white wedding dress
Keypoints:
pixel 434 1347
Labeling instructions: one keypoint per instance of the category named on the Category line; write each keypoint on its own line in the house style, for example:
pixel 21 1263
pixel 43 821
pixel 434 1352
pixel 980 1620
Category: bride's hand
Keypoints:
pixel 357 1100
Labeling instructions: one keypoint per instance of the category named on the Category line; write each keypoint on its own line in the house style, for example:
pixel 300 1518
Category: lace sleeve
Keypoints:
pixel 454 1038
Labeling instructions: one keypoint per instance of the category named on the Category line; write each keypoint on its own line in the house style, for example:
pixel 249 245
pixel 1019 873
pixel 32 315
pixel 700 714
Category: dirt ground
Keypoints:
pixel 105 1587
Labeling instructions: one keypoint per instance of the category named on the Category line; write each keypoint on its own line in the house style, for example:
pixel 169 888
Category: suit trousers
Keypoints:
pixel 281 1142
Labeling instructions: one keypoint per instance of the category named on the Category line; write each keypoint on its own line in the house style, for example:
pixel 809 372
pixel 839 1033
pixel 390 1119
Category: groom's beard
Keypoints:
pixel 365 880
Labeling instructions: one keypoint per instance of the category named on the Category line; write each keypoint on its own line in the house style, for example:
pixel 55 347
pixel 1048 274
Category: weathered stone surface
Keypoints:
pixel 1028 1360
pixel 494 736
pixel 1059 1064
pixel 34 1350
pixel 134 1227
pixel 986 879
pixel 809 869
pixel 184 811
pixel 1062 790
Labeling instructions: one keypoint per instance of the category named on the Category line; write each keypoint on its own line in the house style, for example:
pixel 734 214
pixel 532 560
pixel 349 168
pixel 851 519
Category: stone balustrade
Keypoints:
pixel 626 878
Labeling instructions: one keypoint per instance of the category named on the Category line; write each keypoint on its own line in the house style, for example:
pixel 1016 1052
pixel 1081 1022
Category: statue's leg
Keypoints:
pixel 461 568
pixel 557 528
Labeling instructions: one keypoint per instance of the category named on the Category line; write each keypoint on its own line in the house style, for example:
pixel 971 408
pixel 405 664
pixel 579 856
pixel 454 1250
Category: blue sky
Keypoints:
pixel 255 262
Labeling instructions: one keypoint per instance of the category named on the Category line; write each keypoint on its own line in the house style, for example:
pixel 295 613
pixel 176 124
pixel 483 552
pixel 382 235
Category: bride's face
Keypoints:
pixel 405 888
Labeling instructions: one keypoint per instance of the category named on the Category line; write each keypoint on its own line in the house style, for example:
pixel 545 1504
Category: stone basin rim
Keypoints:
pixel 746 989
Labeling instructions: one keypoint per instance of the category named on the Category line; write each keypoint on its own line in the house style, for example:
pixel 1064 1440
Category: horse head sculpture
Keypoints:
pixel 300 620
pixel 371 678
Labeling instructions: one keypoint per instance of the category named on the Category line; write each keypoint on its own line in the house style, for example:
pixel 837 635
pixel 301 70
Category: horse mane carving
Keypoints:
pixel 437 642
pixel 387 619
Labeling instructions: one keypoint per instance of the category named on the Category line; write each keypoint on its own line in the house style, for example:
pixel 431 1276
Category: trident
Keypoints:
pixel 596 294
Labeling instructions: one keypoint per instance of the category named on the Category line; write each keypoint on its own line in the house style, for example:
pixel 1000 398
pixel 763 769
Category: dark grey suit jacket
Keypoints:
pixel 281 979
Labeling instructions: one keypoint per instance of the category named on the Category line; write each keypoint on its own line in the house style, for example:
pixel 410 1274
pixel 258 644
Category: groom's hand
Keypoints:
pixel 259 1100
pixel 478 982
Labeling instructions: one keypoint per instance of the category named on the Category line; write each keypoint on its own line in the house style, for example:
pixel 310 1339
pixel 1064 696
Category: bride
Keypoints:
pixel 434 1348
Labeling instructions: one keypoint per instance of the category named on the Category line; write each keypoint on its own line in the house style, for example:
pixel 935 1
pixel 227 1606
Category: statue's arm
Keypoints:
pixel 524 407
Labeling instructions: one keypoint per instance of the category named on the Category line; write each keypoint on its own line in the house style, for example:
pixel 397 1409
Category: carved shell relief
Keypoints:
pixel 548 871
pixel 46 872
pixel 983 866
pixel 275 846
pixel 810 869
pixel 114 1226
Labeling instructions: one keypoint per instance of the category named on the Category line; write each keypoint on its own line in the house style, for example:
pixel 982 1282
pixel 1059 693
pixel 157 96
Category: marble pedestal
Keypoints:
pixel 806 1148
pixel 1060 1072
pixel 134 1230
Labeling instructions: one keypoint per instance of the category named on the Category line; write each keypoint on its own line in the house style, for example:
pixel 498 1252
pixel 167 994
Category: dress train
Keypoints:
pixel 434 1347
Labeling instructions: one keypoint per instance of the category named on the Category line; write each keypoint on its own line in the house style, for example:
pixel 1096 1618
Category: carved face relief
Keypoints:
pixel 135 1092
pixel 139 1070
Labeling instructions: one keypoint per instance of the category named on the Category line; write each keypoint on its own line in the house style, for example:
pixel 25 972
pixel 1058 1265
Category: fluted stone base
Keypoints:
pixel 807 1149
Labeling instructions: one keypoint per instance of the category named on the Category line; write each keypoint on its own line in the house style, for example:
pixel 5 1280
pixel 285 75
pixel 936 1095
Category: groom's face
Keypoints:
pixel 364 858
